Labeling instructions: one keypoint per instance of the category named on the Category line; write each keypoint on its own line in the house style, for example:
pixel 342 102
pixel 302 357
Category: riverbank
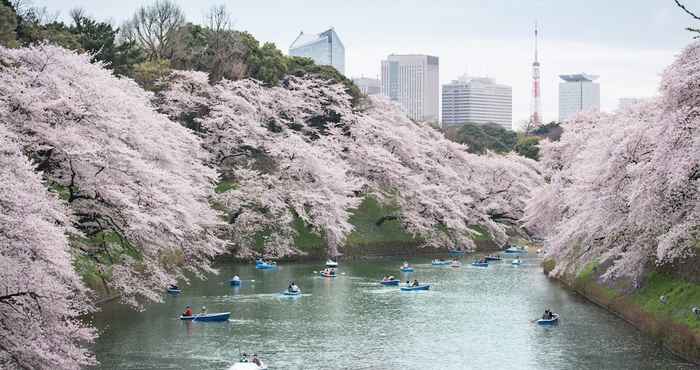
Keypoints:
pixel 672 324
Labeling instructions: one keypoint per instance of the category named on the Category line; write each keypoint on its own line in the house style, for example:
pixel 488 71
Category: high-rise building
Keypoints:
pixel 368 86
pixel 477 100
pixel 578 93
pixel 324 48
pixel 413 81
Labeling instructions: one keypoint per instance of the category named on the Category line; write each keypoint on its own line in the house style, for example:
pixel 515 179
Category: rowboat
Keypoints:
pixel 390 282
pixel 328 274
pixel 516 262
pixel 265 265
pixel 235 281
pixel 407 269
pixel 554 320
pixel 492 258
pixel 223 316
pixel 456 264
pixel 516 249
pixel 414 288
pixel 480 264
pixel 440 262
pixel 291 293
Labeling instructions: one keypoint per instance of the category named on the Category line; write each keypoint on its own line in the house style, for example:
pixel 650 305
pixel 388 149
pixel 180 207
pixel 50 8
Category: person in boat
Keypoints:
pixel 236 278
pixel 405 264
pixel 188 311
pixel 294 288
pixel 244 357
pixel 386 278
pixel 415 282
pixel 256 360
pixel 204 310
pixel 173 286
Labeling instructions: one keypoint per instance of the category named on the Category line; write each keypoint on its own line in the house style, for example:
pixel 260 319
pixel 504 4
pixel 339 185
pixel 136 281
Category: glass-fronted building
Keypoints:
pixel 324 48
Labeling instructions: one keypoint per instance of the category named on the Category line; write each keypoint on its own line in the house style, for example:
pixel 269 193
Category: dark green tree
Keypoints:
pixel 268 64
pixel 482 137
pixel 8 25
pixel 528 146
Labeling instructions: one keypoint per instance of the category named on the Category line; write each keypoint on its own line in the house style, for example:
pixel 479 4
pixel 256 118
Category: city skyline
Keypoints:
pixel 496 43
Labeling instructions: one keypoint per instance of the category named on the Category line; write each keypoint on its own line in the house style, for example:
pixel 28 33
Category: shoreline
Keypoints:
pixel 679 339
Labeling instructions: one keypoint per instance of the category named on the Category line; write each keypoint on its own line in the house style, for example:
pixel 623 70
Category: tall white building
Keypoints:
pixel 368 86
pixel 477 100
pixel 413 81
pixel 324 48
pixel 578 93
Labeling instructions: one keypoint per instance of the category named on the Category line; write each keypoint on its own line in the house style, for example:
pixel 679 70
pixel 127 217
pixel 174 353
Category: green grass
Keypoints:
pixel 483 234
pixel 587 279
pixel 682 296
pixel 59 189
pixel 224 186
pixel 549 265
pixel 307 240
pixel 365 218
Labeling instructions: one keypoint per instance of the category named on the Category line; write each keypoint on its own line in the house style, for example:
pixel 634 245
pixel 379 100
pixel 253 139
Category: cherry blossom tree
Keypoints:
pixel 41 297
pixel 623 189
pixel 133 179
pixel 301 150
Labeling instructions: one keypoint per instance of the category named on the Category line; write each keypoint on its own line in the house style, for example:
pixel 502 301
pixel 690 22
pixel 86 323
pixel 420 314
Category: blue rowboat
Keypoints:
pixel 223 316
pixel 235 282
pixel 390 282
pixel 493 258
pixel 480 264
pixel 407 269
pixel 174 291
pixel 514 249
pixel 414 288
pixel 291 294
pixel 440 263
pixel 265 266
pixel 455 253
pixel 554 320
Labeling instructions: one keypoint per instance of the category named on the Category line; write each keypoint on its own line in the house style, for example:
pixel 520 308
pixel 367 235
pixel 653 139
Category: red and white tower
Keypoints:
pixel 535 105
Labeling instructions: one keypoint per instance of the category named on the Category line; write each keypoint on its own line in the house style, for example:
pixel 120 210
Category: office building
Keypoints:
pixel 368 86
pixel 578 93
pixel 324 48
pixel 477 100
pixel 413 81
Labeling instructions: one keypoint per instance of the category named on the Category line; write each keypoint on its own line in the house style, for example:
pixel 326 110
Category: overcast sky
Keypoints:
pixel 627 42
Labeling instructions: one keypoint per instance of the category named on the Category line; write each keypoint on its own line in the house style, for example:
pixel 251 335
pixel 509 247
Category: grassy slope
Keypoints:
pixel 365 218
pixel 682 297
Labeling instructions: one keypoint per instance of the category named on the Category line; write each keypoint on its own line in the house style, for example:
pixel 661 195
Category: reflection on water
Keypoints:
pixel 471 318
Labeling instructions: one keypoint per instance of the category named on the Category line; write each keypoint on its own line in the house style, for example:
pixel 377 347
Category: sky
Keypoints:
pixel 628 43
